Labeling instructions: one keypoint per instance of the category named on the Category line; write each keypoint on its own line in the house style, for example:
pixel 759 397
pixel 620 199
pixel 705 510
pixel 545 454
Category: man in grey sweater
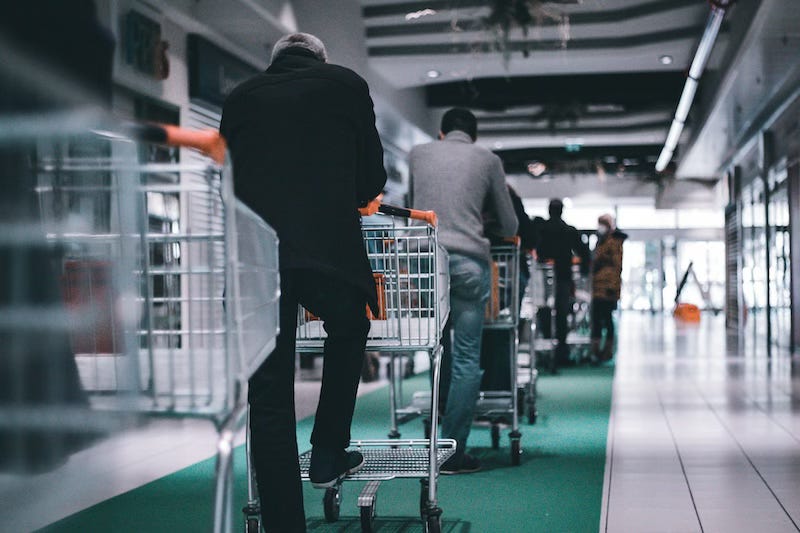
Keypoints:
pixel 460 182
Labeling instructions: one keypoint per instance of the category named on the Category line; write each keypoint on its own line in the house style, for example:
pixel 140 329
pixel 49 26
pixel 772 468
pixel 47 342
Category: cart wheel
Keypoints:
pixel 433 524
pixel 331 502
pixel 394 434
pixel 368 518
pixel 253 526
pixel 516 452
pixel 495 436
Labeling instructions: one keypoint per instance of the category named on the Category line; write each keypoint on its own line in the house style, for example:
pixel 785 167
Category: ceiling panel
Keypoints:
pixel 583 83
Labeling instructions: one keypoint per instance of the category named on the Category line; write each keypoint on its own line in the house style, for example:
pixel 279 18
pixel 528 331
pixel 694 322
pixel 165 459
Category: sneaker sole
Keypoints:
pixel 336 481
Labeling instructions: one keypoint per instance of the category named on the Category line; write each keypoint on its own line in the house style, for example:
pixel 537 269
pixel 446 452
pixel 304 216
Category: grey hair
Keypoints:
pixel 306 41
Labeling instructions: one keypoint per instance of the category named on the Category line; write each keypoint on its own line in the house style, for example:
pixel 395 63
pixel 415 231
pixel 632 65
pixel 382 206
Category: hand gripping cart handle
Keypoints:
pixel 376 206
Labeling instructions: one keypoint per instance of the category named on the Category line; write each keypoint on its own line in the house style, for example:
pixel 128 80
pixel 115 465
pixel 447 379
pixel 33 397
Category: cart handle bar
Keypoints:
pixel 416 214
pixel 210 142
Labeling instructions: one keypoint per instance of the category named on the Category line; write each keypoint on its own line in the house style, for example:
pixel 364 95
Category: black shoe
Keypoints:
pixel 465 464
pixel 329 467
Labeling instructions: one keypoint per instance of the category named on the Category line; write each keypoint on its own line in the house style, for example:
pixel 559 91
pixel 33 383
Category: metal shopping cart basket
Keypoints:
pixel 412 278
pixel 170 284
pixel 499 403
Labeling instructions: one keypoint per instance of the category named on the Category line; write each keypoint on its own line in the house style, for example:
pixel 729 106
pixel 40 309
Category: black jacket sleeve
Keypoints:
pixel 372 177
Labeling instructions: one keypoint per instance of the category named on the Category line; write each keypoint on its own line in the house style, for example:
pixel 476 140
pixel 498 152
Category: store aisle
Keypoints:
pixel 701 438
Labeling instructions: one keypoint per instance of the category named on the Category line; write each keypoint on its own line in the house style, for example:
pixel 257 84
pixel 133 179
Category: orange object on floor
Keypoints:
pixel 687 313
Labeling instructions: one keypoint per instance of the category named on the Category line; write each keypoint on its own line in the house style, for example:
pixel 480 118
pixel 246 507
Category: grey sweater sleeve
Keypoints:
pixel 501 200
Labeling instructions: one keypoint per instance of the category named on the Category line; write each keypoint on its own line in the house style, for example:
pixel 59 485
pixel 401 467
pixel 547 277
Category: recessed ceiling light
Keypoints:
pixel 536 168
pixel 665 60
pixel 432 74
pixel 498 145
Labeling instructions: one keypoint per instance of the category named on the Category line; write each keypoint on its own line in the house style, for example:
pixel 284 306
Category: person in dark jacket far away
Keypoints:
pixel 559 242
pixel 306 155
pixel 606 285
pixel 457 179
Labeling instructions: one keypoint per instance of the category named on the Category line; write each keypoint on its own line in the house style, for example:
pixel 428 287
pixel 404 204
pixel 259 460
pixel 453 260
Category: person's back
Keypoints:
pixel 560 242
pixel 456 178
pixel 306 156
pixel 459 181
pixel 556 240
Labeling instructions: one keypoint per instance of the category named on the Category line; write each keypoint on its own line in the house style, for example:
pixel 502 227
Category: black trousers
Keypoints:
pixel 563 301
pixel 273 430
pixel 602 319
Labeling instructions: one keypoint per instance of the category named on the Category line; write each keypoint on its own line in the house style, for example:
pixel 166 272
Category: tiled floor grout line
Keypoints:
pixel 612 428
pixel 746 456
pixel 680 458
pixel 761 408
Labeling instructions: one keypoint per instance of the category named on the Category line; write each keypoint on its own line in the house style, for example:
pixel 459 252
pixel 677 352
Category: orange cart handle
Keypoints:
pixel 416 214
pixel 513 240
pixel 210 142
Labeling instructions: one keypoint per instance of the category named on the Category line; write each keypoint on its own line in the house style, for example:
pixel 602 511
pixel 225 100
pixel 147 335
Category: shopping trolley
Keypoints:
pixel 502 317
pixel 171 285
pixel 499 404
pixel 412 280
pixel 542 293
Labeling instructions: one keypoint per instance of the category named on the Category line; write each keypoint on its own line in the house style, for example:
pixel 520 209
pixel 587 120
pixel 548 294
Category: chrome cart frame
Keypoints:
pixel 502 314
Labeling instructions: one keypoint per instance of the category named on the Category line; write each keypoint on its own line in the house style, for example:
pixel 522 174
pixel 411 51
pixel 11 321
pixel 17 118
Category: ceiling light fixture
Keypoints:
pixel 498 145
pixel 432 74
pixel 665 59
pixel 536 168
pixel 414 15
pixel 695 71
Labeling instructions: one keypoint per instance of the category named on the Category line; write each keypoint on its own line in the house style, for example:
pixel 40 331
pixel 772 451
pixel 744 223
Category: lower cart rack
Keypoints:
pixel 385 460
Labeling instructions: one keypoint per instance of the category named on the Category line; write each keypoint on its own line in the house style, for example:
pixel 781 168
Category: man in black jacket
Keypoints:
pixel 560 242
pixel 306 154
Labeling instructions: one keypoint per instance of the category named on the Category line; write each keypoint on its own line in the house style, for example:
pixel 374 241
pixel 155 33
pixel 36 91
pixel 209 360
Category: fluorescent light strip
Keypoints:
pixel 690 87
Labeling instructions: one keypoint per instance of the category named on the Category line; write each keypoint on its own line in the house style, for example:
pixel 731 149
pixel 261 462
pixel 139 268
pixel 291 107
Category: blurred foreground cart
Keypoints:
pixel 170 286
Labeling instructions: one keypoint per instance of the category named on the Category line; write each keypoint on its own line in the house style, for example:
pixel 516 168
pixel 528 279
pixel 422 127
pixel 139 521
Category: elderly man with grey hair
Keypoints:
pixel 306 155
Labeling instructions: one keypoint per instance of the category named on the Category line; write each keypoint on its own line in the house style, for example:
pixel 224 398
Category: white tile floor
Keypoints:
pixel 702 438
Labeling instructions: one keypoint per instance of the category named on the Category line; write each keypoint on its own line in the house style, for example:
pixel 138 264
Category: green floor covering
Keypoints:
pixel 557 488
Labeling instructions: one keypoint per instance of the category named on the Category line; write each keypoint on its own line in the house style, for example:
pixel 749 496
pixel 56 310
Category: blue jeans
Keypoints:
pixel 461 373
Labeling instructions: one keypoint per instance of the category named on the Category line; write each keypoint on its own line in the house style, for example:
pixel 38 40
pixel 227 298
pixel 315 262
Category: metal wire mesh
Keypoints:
pixel 384 460
pixel 502 309
pixel 149 253
pixel 413 289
